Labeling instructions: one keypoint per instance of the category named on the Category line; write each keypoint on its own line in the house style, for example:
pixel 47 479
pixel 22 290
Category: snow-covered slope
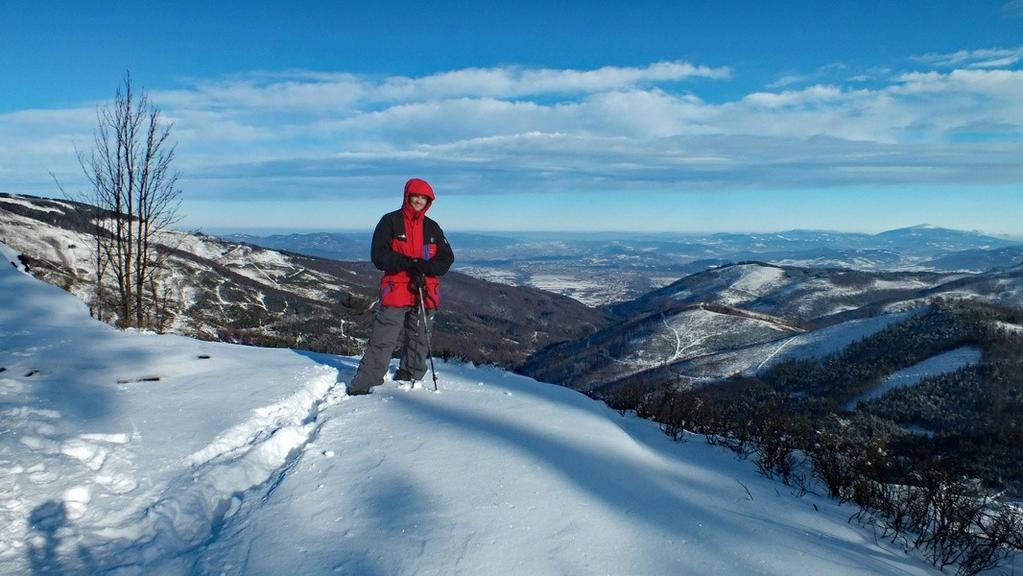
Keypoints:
pixel 674 336
pixel 751 360
pixel 208 283
pixel 122 446
pixel 133 453
pixel 940 364
pixel 795 294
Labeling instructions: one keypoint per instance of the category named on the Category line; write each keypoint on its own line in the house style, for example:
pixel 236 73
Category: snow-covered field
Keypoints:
pixel 133 453
pixel 491 274
pixel 590 285
pixel 588 290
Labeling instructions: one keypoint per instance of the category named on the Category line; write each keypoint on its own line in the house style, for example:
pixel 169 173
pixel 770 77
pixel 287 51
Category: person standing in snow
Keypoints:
pixel 413 253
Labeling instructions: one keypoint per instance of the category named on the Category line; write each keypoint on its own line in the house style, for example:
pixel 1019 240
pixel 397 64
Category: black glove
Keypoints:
pixel 421 266
pixel 416 279
pixel 401 262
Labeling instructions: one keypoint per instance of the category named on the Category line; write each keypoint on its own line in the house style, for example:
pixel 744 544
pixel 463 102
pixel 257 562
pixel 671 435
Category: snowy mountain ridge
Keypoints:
pixel 206 277
pixel 136 453
pixel 743 318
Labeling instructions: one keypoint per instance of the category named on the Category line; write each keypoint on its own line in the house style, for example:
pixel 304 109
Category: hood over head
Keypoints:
pixel 420 187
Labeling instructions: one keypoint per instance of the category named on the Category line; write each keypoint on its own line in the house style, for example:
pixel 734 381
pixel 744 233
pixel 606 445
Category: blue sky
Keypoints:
pixel 653 116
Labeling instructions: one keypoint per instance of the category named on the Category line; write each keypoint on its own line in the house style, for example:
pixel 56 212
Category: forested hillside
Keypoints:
pixel 950 441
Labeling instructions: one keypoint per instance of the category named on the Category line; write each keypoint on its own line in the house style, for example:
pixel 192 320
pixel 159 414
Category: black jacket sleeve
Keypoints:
pixel 383 257
pixel 443 258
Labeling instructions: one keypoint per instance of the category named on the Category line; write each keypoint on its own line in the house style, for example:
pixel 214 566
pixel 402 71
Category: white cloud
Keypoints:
pixel 306 134
pixel 988 58
pixel 517 82
pixel 261 92
pixel 317 91
pixel 964 97
pixel 794 98
pixel 821 75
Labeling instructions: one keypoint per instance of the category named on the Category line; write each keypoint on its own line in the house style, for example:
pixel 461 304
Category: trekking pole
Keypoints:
pixel 429 346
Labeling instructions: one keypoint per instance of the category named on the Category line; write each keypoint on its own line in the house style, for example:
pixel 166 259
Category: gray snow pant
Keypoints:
pixel 383 339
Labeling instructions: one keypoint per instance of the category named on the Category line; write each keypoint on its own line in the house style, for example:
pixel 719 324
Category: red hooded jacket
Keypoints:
pixel 404 237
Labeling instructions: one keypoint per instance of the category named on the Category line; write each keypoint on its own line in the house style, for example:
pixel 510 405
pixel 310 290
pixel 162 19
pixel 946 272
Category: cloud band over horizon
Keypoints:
pixel 312 135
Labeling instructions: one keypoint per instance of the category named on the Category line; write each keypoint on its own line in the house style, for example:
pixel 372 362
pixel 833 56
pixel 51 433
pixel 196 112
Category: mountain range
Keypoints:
pixel 741 318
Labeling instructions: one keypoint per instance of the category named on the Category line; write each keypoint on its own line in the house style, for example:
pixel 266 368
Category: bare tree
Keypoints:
pixel 129 169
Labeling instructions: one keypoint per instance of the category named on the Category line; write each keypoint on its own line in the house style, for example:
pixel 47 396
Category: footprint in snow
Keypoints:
pixel 76 501
pixel 92 456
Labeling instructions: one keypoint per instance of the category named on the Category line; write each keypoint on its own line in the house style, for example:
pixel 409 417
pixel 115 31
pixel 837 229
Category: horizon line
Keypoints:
pixel 252 230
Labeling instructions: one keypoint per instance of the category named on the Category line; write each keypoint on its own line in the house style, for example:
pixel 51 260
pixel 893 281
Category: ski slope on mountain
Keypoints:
pixel 752 360
pixel 136 453
pixel 912 375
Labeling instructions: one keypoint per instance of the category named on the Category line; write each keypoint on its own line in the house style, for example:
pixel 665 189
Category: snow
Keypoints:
pixel 747 282
pixel 910 376
pixel 908 284
pixel 833 339
pixel 75 252
pixel 35 204
pixel 10 255
pixel 684 337
pixel 578 283
pixel 499 275
pixel 758 279
pixel 51 243
pixel 134 453
pixel 581 287
pixel 753 359
pixel 1010 327
pixel 267 267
